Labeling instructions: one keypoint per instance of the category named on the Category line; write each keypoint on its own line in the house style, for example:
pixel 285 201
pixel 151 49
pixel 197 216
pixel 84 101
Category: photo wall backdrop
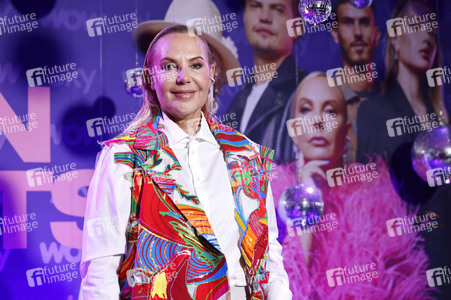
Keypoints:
pixel 62 90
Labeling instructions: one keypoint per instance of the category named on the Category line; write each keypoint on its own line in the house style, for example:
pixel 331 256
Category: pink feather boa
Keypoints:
pixel 360 238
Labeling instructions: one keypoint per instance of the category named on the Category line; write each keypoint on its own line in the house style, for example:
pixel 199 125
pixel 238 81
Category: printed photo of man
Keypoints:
pixel 357 35
pixel 259 105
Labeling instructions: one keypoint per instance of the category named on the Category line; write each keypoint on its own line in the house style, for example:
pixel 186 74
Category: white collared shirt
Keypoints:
pixel 204 173
pixel 251 103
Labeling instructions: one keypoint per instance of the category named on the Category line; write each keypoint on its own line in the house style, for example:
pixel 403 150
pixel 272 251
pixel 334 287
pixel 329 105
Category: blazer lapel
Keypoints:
pixel 161 166
pixel 247 173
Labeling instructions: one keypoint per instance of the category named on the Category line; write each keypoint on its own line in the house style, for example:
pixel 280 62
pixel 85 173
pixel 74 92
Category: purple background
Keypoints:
pixel 61 37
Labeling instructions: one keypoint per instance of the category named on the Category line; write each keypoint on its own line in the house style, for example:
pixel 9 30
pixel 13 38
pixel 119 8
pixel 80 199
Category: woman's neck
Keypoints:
pixel 189 124
pixel 411 84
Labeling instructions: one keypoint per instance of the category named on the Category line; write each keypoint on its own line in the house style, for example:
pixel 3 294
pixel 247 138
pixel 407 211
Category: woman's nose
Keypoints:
pixel 183 76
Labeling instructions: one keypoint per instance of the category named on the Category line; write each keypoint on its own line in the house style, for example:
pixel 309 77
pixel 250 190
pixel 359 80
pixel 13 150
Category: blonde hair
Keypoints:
pixel 151 106
pixel 391 63
pixel 313 75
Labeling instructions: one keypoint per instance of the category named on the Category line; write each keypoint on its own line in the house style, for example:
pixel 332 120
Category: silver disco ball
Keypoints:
pixel 361 3
pixel 315 11
pixel 431 152
pixel 301 205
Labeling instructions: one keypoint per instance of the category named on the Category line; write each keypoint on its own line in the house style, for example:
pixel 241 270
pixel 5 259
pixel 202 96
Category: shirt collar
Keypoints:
pixel 176 135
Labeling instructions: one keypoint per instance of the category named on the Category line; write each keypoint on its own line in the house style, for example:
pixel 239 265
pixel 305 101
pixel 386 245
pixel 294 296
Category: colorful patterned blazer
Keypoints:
pixel 173 252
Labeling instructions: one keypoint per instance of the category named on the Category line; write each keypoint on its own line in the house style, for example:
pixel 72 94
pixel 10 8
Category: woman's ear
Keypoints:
pixel 147 77
pixel 348 128
pixel 394 42
pixel 212 71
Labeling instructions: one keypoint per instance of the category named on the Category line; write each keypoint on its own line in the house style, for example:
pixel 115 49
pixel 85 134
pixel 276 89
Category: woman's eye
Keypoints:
pixel 305 109
pixel 331 111
pixel 197 65
pixel 169 67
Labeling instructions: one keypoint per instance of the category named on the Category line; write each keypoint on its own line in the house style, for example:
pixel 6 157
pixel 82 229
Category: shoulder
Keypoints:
pixel 119 150
pixel 377 104
pixel 128 137
pixel 266 154
pixel 111 152
pixel 234 141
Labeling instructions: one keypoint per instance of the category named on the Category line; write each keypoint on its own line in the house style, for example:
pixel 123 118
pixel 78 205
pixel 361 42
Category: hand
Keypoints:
pixel 312 174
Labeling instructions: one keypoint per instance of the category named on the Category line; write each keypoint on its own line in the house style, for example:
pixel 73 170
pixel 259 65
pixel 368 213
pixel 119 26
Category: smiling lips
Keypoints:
pixel 184 94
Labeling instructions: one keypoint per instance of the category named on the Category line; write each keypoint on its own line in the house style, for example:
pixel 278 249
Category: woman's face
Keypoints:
pixel 416 50
pixel 181 75
pixel 323 114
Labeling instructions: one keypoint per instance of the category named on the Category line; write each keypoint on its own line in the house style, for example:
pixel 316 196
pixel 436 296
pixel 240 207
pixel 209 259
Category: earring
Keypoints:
pixel 299 160
pixel 211 99
pixel 345 152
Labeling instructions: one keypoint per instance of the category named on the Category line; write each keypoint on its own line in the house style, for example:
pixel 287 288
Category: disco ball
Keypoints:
pixel 361 3
pixel 315 11
pixel 301 205
pixel 432 150
pixel 133 83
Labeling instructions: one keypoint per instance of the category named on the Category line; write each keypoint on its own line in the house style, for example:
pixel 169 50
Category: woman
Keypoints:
pixel 201 222
pixel 352 229
pixel 407 96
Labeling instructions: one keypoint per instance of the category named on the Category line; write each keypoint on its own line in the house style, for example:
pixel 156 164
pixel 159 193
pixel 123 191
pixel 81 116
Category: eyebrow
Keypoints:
pixel 355 18
pixel 278 5
pixel 333 102
pixel 173 60
pixel 305 99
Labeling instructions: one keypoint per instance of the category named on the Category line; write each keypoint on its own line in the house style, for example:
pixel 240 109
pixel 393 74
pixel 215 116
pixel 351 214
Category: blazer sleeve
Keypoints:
pixel 105 226
pixel 278 287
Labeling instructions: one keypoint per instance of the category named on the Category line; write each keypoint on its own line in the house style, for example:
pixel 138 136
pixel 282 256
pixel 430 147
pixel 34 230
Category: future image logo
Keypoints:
pixel 109 25
pixel 411 224
pixel 35 277
pixel 49 175
pixel 98 127
pixel 234 77
pixel 100 226
pixel 49 275
pixel 438 176
pixel 298 27
pixel 314 124
pixel 408 125
pixel 351 274
pixel 411 24
pixel 438 76
pixel 52 75
pixel 295 27
pixel 351 174
pixel 239 76
pixel 348 75
pixel 438 276
pixel 211 25
pixel 18 23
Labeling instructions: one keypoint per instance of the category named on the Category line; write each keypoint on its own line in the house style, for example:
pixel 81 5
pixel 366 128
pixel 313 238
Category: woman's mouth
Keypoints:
pixel 184 94
pixel 425 53
pixel 318 141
